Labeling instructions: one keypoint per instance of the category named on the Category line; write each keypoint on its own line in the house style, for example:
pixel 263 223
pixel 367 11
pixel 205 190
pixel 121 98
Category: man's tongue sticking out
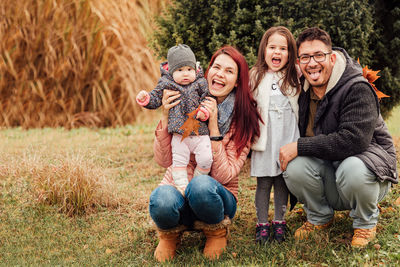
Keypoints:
pixel 315 75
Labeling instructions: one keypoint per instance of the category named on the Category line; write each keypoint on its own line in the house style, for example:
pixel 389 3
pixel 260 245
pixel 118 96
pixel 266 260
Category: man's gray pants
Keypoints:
pixel 324 186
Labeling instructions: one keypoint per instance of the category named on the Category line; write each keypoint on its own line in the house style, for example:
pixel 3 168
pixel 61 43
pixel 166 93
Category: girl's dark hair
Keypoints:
pixel 245 113
pixel 290 77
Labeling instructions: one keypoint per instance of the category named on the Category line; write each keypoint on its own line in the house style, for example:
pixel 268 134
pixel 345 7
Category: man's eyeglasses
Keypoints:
pixel 318 57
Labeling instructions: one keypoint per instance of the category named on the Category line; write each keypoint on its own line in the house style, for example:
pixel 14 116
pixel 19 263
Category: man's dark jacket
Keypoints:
pixel 348 122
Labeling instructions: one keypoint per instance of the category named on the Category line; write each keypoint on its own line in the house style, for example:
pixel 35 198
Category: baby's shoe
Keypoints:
pixel 262 233
pixel 279 230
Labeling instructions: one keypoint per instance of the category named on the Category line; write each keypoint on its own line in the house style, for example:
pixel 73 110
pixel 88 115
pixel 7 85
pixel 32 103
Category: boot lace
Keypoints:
pixel 308 226
pixel 362 233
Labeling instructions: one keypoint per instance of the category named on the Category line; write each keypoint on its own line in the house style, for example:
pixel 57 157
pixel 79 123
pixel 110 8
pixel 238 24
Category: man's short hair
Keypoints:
pixel 312 34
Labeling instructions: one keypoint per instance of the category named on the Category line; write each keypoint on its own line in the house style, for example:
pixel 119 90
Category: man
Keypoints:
pixel 345 158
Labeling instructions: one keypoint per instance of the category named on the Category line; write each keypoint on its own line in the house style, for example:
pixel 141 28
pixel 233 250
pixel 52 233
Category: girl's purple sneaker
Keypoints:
pixel 262 233
pixel 279 230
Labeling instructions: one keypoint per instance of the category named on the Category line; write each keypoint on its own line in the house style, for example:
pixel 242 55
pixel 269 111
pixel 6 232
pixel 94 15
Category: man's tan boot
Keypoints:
pixel 216 235
pixel 362 237
pixel 308 228
pixel 168 241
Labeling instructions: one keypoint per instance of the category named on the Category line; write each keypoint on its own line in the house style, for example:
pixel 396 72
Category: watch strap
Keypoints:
pixel 216 138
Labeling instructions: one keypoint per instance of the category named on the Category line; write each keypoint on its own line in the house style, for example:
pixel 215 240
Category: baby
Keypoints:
pixel 179 73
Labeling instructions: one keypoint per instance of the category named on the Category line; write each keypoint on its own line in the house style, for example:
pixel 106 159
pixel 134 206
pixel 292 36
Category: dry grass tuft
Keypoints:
pixel 74 184
pixel 74 62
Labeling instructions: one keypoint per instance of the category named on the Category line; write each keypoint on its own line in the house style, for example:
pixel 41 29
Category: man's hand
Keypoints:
pixel 286 154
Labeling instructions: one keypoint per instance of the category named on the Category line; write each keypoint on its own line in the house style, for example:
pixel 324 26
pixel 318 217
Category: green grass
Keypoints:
pixel 38 234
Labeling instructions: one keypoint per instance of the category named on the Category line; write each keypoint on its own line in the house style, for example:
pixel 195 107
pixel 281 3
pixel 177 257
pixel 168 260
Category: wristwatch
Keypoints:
pixel 216 138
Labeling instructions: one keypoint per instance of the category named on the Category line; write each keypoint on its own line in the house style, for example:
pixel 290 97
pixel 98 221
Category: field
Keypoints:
pixel 80 197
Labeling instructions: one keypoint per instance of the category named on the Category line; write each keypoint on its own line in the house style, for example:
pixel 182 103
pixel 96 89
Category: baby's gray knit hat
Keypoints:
pixel 179 56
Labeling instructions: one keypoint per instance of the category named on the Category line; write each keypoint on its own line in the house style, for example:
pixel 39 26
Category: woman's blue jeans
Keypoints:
pixel 205 200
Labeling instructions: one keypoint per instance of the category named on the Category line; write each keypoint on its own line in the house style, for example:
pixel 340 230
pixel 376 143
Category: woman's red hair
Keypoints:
pixel 245 113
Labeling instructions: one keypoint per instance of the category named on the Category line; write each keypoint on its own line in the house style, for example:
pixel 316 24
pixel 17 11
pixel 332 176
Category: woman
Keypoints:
pixel 209 203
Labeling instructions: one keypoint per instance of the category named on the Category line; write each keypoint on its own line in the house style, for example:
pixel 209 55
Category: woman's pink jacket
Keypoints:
pixel 225 167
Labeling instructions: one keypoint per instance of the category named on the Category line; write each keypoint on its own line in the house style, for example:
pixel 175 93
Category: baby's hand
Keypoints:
pixel 141 96
pixel 201 116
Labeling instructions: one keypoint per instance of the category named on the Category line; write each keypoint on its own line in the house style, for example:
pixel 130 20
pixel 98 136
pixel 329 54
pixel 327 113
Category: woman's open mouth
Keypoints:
pixel 217 84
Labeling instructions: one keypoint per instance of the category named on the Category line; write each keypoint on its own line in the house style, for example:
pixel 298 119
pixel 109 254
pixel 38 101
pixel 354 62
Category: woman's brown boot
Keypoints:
pixel 216 235
pixel 169 239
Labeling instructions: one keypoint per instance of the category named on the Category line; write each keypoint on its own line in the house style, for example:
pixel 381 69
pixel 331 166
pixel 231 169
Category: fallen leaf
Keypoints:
pixel 348 236
pixel 341 241
pixel 298 211
pixel 340 216
pixel 190 125
pixel 397 202
pixel 388 210
pixel 108 251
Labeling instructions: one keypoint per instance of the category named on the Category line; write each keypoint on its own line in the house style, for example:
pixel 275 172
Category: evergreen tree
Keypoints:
pixel 386 48
pixel 185 22
pixel 368 31
pixel 249 24
pixel 221 23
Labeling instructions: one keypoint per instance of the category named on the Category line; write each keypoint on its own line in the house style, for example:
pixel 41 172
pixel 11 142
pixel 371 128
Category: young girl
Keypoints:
pixel 276 88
